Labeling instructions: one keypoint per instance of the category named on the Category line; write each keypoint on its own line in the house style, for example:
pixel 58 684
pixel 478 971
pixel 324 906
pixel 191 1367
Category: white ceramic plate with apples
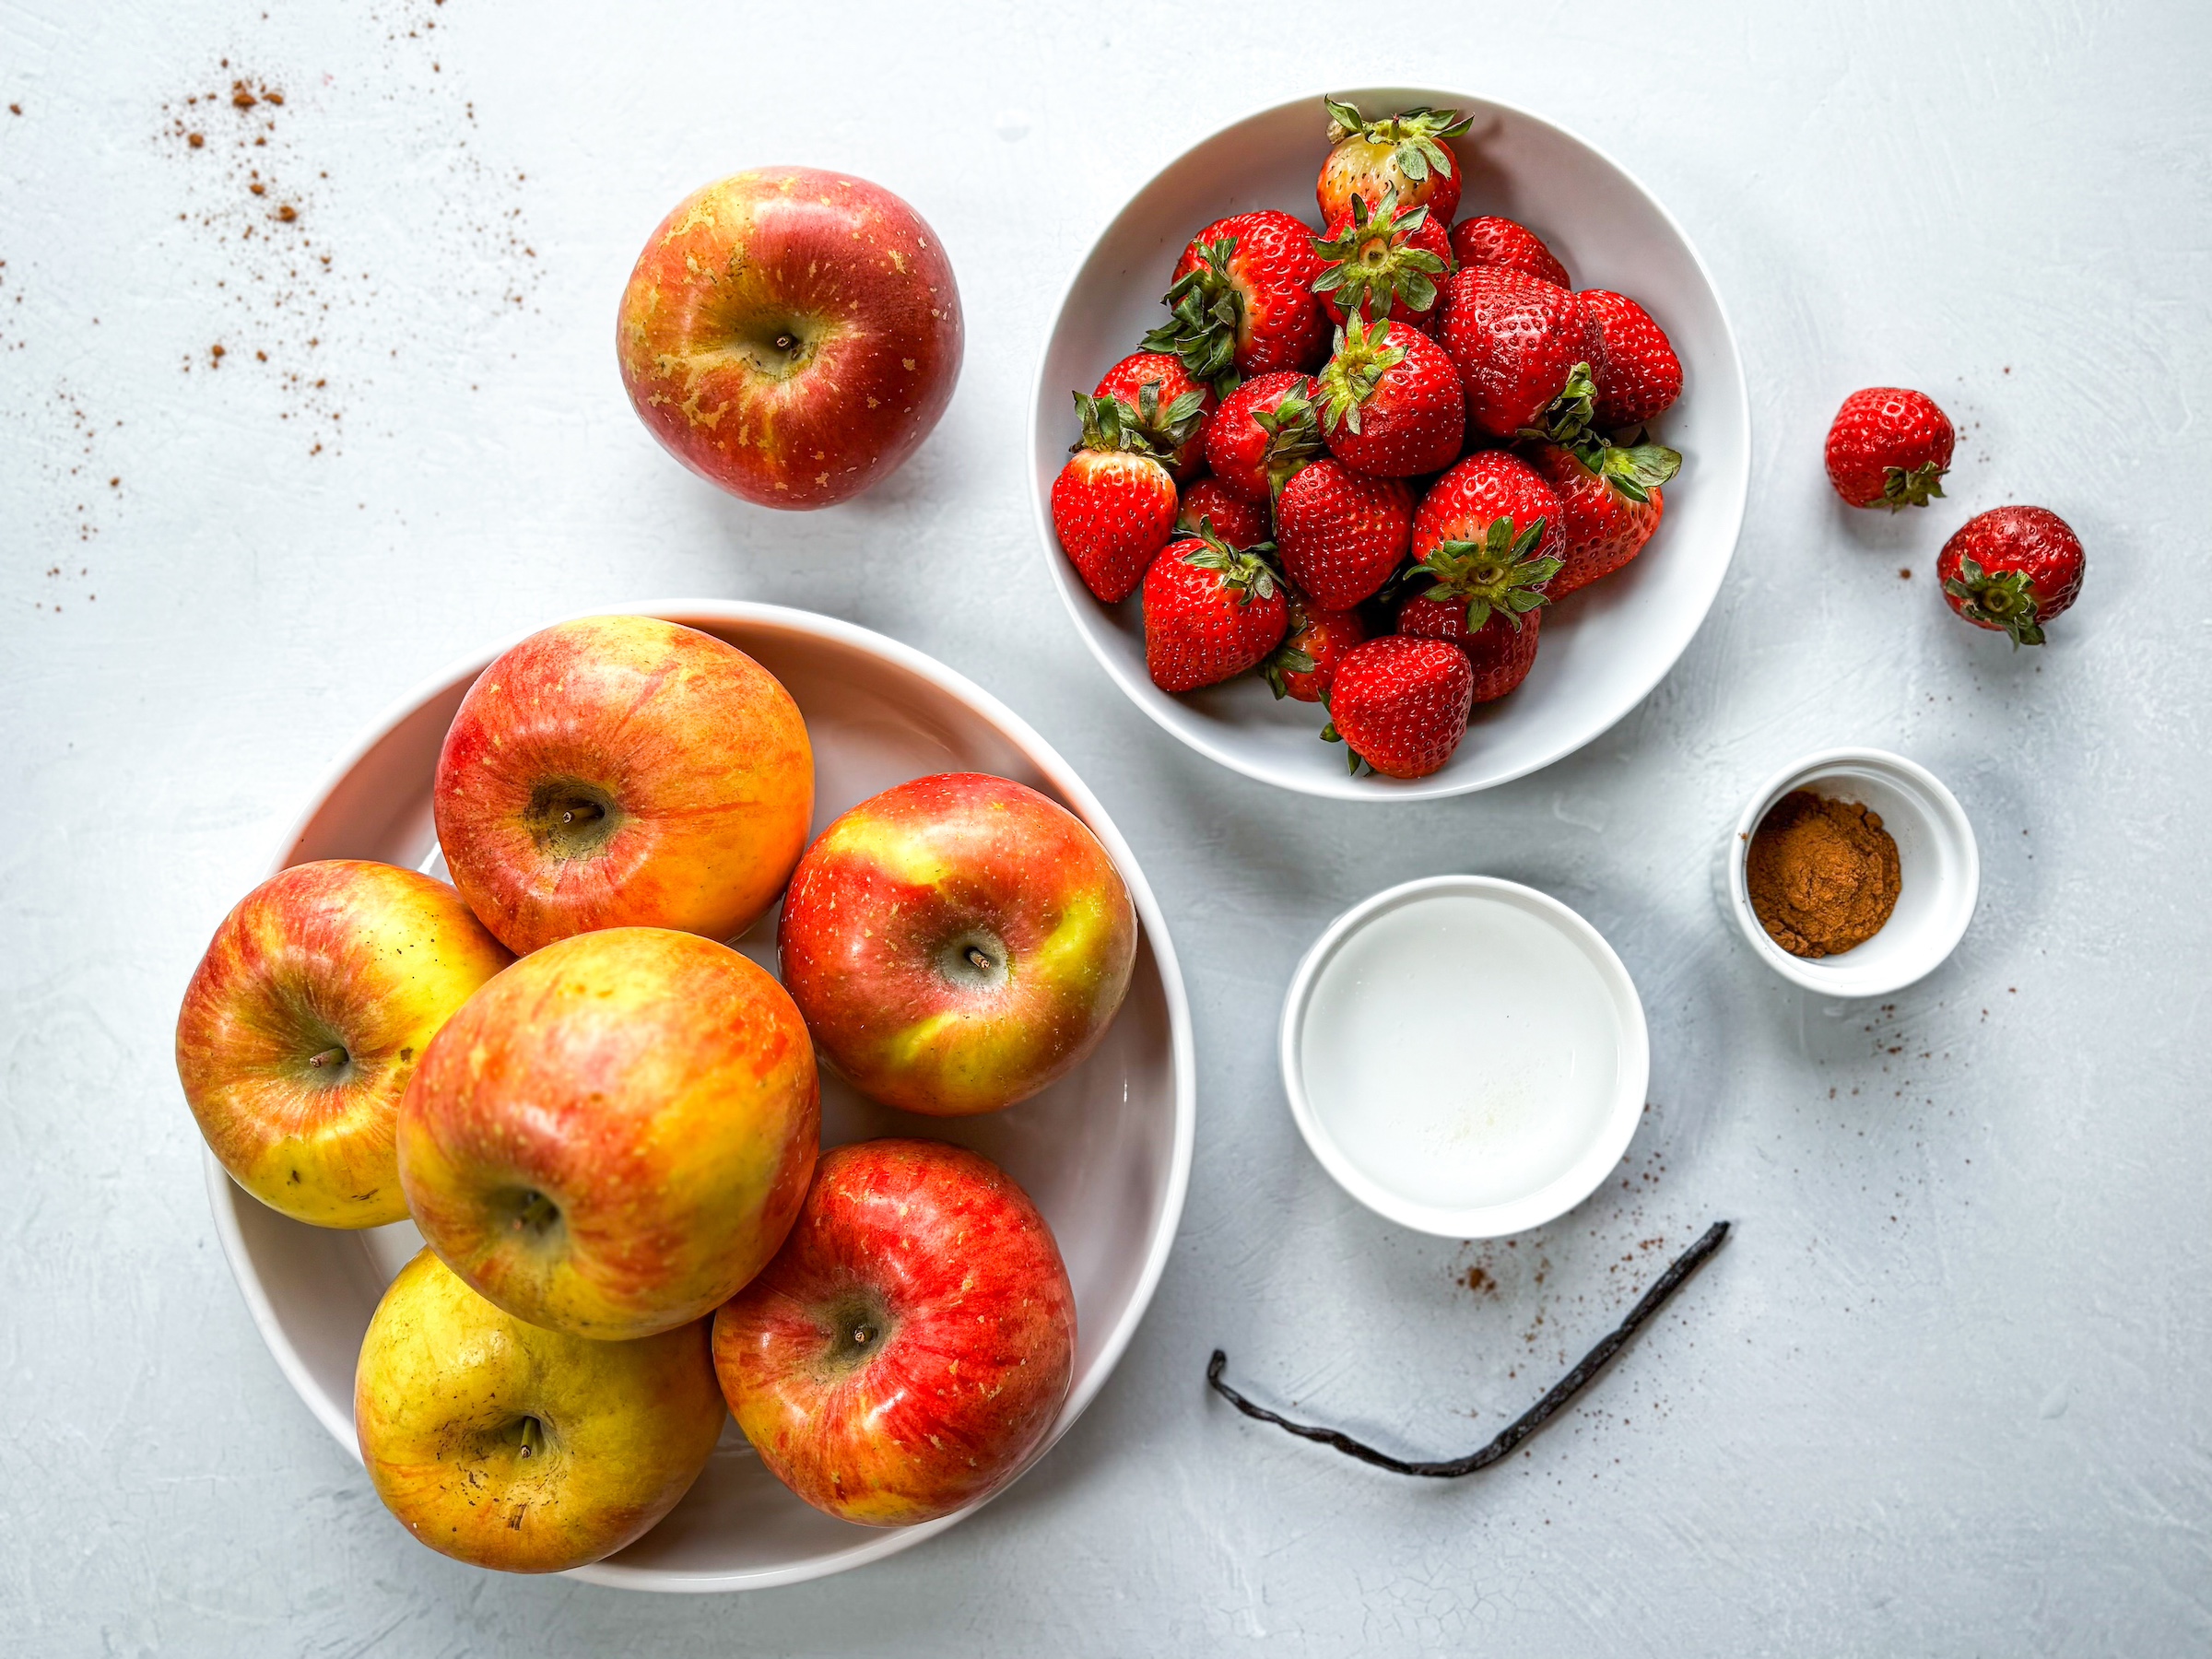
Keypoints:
pixel 1605 648
pixel 1105 1152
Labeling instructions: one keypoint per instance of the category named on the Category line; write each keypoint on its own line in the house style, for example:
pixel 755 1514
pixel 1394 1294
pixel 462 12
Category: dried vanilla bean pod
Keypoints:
pixel 1522 1427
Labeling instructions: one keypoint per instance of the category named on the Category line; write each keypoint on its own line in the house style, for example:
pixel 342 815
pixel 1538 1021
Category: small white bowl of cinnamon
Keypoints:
pixel 1852 872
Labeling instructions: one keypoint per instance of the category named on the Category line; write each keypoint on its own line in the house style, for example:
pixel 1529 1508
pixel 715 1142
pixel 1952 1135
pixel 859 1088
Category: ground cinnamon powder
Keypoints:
pixel 1823 874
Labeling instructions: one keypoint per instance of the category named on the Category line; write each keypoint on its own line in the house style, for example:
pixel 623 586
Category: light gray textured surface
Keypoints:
pixel 1944 1392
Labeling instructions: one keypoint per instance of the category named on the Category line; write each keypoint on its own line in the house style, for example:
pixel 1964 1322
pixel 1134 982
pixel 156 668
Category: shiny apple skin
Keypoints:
pixel 341 954
pixel 507 1446
pixel 842 269
pixel 879 912
pixel 694 758
pixel 614 1135
pixel 970 1322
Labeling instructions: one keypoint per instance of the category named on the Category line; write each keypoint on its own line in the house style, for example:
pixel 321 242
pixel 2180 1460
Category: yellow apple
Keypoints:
pixel 305 1020
pixel 506 1445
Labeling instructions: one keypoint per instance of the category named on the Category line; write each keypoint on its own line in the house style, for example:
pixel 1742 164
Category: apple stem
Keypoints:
pixel 977 960
pixel 582 814
pixel 329 1056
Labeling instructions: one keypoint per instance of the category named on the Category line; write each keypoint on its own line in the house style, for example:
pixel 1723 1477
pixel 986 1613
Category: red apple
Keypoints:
pixel 957 943
pixel 614 1134
pixel 911 1343
pixel 790 334
pixel 623 772
pixel 305 1020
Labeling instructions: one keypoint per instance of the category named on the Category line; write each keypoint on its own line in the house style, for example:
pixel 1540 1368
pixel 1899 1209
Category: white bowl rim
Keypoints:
pixel 1832 976
pixel 225 1195
pixel 1375 787
pixel 1606 1147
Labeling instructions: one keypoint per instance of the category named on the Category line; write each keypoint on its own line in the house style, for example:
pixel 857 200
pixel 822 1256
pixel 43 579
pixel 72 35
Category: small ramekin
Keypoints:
pixel 1939 874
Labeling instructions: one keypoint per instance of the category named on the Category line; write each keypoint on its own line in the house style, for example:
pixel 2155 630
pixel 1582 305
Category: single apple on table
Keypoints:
pixel 307 1017
pixel 623 772
pixel 790 334
pixel 613 1136
pixel 957 943
pixel 505 1445
pixel 912 1342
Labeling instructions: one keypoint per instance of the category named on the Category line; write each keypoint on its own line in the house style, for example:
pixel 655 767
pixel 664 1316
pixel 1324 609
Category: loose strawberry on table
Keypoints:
pixel 1516 340
pixel 1405 152
pixel 1636 372
pixel 1611 501
pixel 1304 666
pixel 1113 503
pixel 1384 261
pixel 1390 400
pixel 1211 612
pixel 1172 408
pixel 1484 240
pixel 1242 301
pixel 2012 568
pixel 1341 534
pixel 1400 704
pixel 1238 522
pixel 1263 432
pixel 1888 446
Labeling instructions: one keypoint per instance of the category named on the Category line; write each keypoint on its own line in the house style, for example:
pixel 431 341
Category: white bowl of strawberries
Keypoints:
pixel 1464 461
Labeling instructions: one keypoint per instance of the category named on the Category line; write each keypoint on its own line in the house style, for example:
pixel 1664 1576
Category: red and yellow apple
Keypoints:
pixel 623 772
pixel 506 1445
pixel 613 1136
pixel 790 334
pixel 912 1342
pixel 957 943
pixel 305 1020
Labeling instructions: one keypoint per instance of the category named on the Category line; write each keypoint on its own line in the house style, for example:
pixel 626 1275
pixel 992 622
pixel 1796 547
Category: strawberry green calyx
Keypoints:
pixel 1242 576
pixel 1204 311
pixel 1635 471
pixel 1373 266
pixel 2006 601
pixel 1170 428
pixel 1901 489
pixel 1415 135
pixel 1293 438
pixel 1285 659
pixel 1110 424
pixel 1501 572
pixel 1567 418
pixel 1353 371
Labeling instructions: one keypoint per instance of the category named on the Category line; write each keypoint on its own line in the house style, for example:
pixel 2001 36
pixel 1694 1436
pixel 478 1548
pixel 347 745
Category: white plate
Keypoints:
pixel 1105 1152
pixel 1605 648
pixel 1456 1112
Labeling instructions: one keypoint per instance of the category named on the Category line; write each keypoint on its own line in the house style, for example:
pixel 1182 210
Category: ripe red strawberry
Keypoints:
pixel 1243 301
pixel 1400 704
pixel 1405 152
pixel 1390 400
pixel 1499 242
pixel 1342 533
pixel 1889 447
pixel 1518 341
pixel 1304 666
pixel 1172 408
pixel 1384 262
pixel 1499 655
pixel 1210 613
pixel 1238 522
pixel 1612 502
pixel 2012 568
pixel 1265 431
pixel 1638 374
pixel 1488 488
pixel 1113 503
